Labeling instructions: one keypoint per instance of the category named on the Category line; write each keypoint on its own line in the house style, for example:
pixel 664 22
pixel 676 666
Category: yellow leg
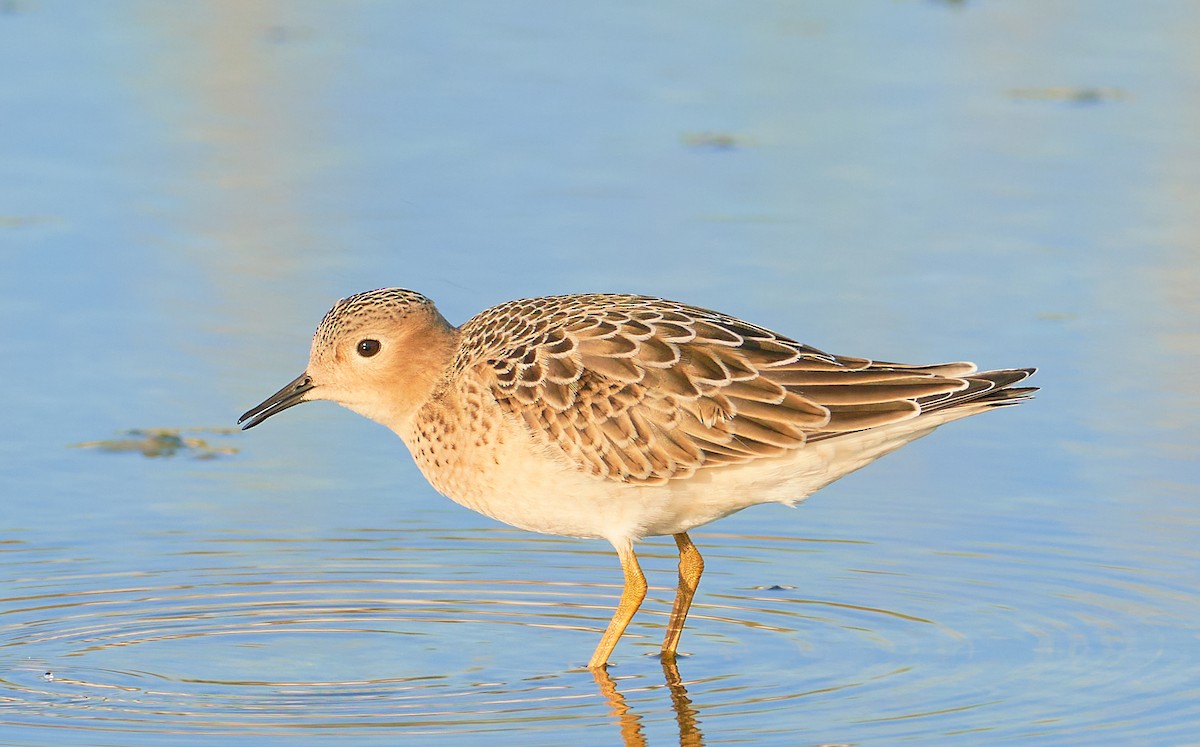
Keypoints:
pixel 691 565
pixel 631 599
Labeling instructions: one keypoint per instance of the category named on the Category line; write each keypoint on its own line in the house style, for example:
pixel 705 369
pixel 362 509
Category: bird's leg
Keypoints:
pixel 631 599
pixel 691 565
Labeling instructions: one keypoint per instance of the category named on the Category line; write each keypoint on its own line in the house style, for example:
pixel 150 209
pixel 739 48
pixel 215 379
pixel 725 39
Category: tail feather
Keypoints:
pixel 991 388
pixel 983 390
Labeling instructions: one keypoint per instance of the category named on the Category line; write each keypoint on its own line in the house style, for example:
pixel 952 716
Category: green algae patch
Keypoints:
pixel 167 442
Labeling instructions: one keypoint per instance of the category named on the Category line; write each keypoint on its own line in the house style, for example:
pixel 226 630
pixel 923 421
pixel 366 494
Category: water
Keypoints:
pixel 184 190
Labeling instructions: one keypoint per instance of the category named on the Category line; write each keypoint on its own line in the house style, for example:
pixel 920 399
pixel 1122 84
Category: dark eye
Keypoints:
pixel 367 348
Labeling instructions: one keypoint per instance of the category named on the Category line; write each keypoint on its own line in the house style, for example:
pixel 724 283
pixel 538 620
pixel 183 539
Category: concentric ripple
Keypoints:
pixel 378 634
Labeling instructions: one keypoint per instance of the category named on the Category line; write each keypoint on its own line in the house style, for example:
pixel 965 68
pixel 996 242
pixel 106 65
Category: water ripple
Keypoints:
pixel 374 634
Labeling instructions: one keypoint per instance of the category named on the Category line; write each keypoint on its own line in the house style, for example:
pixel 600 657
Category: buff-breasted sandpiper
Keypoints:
pixel 622 417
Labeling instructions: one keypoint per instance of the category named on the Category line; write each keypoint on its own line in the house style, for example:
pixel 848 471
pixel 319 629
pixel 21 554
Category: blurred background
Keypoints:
pixel 186 188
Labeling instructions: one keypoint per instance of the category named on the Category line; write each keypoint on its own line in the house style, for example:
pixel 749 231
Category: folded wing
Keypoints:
pixel 642 390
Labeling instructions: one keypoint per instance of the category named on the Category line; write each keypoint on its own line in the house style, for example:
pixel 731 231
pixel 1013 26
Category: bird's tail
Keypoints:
pixel 984 389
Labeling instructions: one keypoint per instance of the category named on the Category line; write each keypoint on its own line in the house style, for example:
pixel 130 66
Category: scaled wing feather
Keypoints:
pixel 642 390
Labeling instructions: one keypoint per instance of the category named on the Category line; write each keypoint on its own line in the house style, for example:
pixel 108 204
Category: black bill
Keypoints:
pixel 289 396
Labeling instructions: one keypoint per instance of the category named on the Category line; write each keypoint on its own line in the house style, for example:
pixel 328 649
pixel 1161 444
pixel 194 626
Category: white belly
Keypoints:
pixel 502 472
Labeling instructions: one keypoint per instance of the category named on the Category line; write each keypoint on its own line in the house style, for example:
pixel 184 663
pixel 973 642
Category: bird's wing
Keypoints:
pixel 642 390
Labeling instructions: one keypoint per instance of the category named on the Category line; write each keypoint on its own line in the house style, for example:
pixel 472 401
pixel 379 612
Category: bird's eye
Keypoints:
pixel 368 348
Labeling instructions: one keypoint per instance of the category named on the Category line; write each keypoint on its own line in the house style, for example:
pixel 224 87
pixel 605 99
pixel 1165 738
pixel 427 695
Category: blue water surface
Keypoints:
pixel 185 189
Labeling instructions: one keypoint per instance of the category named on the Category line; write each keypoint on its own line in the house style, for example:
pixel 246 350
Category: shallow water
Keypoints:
pixel 185 190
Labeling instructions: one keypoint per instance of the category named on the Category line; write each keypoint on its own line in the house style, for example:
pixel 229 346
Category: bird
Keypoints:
pixel 621 417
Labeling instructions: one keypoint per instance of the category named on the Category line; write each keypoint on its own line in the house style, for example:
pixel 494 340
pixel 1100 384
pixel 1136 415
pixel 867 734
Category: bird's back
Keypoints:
pixel 641 390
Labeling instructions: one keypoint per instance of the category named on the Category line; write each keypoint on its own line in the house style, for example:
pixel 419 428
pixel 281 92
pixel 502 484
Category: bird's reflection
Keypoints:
pixel 630 722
